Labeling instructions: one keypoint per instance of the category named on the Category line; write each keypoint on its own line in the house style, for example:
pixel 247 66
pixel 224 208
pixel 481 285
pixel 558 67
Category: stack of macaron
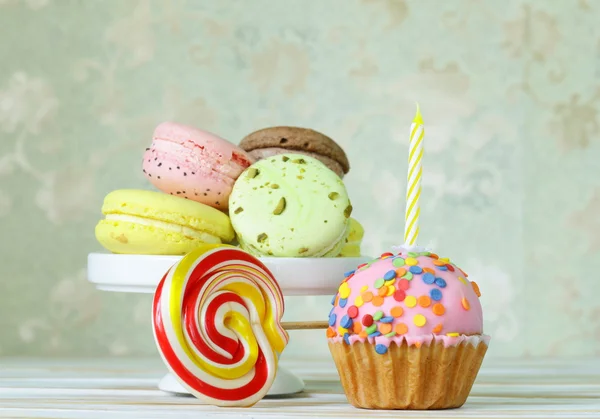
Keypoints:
pixel 279 193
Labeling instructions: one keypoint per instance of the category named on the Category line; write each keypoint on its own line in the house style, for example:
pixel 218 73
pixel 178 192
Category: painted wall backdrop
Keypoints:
pixel 510 93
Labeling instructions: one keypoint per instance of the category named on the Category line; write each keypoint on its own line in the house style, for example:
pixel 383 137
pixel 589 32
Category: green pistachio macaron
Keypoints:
pixel 290 205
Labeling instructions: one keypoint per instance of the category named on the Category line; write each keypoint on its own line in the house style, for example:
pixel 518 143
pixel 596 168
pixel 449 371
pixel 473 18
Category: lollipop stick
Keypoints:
pixel 304 325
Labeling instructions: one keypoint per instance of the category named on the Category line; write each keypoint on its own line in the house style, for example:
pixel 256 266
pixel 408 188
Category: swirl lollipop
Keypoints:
pixel 217 325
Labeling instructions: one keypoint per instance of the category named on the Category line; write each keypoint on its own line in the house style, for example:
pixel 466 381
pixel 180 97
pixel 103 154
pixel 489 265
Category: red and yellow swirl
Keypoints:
pixel 217 324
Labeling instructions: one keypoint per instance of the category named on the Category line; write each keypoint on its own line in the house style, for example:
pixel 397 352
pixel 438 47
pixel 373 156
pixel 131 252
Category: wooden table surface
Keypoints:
pixel 126 388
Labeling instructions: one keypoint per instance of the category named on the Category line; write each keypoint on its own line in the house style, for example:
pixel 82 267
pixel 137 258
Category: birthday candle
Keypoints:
pixel 415 172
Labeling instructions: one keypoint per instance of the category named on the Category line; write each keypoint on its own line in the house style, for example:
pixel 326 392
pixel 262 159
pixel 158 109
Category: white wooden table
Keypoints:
pixel 126 388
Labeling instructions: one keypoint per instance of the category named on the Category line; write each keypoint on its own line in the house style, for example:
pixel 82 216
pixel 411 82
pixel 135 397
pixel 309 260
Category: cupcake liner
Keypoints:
pixel 415 377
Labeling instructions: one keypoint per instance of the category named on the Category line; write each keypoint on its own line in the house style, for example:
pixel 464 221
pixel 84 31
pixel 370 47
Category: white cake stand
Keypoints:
pixel 296 277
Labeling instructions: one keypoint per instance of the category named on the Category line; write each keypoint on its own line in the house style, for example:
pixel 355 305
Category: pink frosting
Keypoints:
pixel 458 320
pixel 194 164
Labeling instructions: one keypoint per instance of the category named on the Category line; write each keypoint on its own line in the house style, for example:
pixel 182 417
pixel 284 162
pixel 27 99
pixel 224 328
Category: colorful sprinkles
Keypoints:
pixel 377 301
pixel 435 294
pixel 385 328
pixel 410 301
pixel 389 275
pixel 381 349
pixel 438 309
pixel 411 261
pixel 419 320
pixel 344 290
pixel 401 329
pixel 476 288
pixel 428 278
pixel 397 311
pixel 415 270
pixel 395 286
pixel 346 322
pixel 404 284
pixel 400 295
pixel 465 303
pixel 424 301
pixel 398 262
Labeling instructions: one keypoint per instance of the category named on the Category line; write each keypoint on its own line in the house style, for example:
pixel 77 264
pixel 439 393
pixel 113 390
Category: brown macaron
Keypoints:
pixel 272 141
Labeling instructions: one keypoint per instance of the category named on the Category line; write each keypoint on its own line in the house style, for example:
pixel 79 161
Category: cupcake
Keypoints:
pixel 406 332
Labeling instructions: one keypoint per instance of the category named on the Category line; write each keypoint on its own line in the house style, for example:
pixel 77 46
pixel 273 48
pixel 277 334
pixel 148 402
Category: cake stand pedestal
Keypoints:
pixel 296 277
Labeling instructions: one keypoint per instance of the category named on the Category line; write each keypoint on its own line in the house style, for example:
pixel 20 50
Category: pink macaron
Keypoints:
pixel 194 164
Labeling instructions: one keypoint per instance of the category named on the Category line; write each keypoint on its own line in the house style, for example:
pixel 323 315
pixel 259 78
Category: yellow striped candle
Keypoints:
pixel 415 172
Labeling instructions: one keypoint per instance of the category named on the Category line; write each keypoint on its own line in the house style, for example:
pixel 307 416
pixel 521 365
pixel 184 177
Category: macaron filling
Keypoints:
pixel 335 248
pixel 330 251
pixel 171 227
pixel 352 243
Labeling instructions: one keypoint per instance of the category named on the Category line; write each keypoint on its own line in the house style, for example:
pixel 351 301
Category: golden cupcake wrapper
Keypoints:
pixel 408 377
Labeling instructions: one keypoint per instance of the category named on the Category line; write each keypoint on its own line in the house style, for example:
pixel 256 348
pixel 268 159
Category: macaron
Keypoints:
pixel 352 246
pixel 273 141
pixel 190 163
pixel 154 223
pixel 290 205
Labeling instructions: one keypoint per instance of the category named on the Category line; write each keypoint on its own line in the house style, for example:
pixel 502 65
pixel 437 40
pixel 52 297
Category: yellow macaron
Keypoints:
pixel 154 223
pixel 352 246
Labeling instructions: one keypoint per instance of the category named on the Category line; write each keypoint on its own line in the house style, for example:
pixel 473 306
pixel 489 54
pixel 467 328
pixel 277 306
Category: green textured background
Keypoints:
pixel 509 91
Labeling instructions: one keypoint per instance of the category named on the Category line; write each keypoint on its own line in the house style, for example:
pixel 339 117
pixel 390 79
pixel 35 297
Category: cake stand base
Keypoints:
pixel 285 384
